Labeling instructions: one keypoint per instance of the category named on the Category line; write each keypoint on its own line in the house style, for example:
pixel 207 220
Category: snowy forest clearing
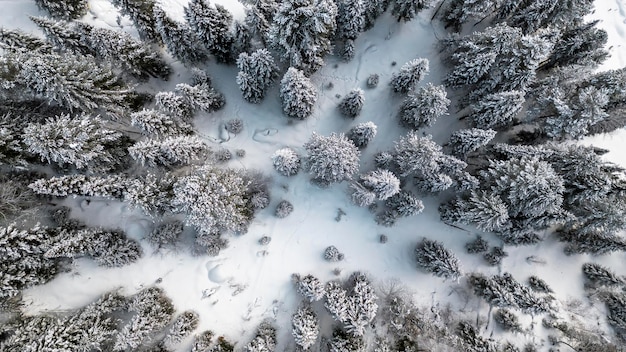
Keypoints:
pixel 251 279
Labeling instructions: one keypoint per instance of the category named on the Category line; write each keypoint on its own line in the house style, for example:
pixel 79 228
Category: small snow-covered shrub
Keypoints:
pixel 362 134
pixel 222 155
pixel 383 159
pixel 166 233
pixel 352 103
pixel 332 254
pixel 433 257
pixel 240 153
pixel 478 245
pixel 286 161
pixel 495 256
pixel 260 200
pixel 507 320
pixel 234 126
pixel 372 80
pixel 311 288
pixel 265 240
pixel 283 209
pixel 383 238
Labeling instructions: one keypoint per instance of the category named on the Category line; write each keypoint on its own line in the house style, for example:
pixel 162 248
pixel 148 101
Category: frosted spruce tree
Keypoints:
pixel 257 73
pixel 65 9
pixel 470 140
pixel 63 35
pixel 406 10
pixel 433 257
pixel 486 211
pixel 212 25
pixel 375 185
pixel 286 161
pixel 81 142
pixel 259 17
pixel 496 110
pixel 424 106
pixel 213 199
pixel 169 151
pixel 373 9
pixel 77 83
pixel 331 159
pixel 16 40
pixel 459 12
pixel 181 328
pixel 415 154
pixel 174 105
pixel 179 39
pixel 265 339
pixel 305 327
pixel 310 287
pixel 410 73
pixel 582 44
pixel 201 97
pixel 302 31
pixel 403 204
pixel 350 22
pixel 362 133
pixel 141 12
pixel 153 123
pixel 113 186
pixel 352 103
pixel 297 94
pixel 354 311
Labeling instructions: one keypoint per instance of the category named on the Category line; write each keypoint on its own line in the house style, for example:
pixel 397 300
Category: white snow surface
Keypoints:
pixel 248 282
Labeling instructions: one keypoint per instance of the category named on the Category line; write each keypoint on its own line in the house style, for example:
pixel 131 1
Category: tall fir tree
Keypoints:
pixel 467 141
pixel 64 9
pixel 257 72
pixel 305 327
pixel 179 39
pixel 332 159
pixel 582 44
pixel 424 106
pixel 16 40
pixel 302 31
pixel 170 151
pixel 406 10
pixel 410 74
pixel 212 25
pixel 141 12
pixel 297 94
pixel 496 110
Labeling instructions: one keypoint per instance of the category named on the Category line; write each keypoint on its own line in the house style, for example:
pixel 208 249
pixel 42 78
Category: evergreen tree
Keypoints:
pixel 302 31
pixel 176 106
pixel 212 26
pixel 383 183
pixel 424 106
pixel 410 73
pixel 257 73
pixel 201 97
pixel 507 320
pixel 311 288
pixel 141 12
pixel 599 275
pixel 81 142
pixel 464 142
pixel 166 233
pixel 433 257
pixel 616 314
pixel 213 199
pixel 460 11
pixel 63 35
pixel 373 9
pixel 362 134
pixel 581 45
pixel 350 18
pixel 71 81
pixel 265 339
pixel 242 39
pixel 496 110
pixel 362 306
pixel 152 122
pixel 15 40
pixel 352 103
pixel 485 210
pixel 179 39
pixel 65 9
pixel 81 185
pixel 332 159
pixel 297 94
pixel 286 161
pixel 170 151
pixel 305 327
pixel 259 18
pixel 181 328
pixel 404 204
pixel 417 155
pixel 406 10
pixel 362 196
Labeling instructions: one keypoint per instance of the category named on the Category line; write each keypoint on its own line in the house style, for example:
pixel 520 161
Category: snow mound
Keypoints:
pixel 218 274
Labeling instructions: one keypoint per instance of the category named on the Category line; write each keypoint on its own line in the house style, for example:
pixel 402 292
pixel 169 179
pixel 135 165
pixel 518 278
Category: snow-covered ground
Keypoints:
pixel 248 282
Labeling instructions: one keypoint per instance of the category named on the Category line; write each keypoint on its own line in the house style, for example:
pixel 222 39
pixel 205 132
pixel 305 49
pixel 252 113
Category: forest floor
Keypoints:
pixel 248 282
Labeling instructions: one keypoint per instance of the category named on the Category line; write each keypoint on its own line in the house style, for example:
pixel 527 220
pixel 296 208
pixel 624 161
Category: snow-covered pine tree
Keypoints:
pixel 352 103
pixel 169 151
pixel 406 10
pixel 383 183
pixel 152 193
pixel 350 22
pixel 404 203
pixel 302 31
pixel 461 11
pixel 15 39
pixel 174 105
pixel 362 306
pixel 331 159
pixel 141 12
pixel 81 142
pixel 491 291
pixel 286 161
pixel 212 25
pixel 165 233
pixel 434 258
pixel 470 140
pixel 362 196
pixel 599 276
pixel 181 328
pixel 410 74
pixel 64 9
pixel 283 209
pixel 580 45
pixel 297 94
pixel 305 327
pixel 179 39
pixel 257 73
pixel 362 134
pixel 471 339
pixel 71 81
pixel 242 39
pixel 482 209
pixel 22 264
pixel 418 155
pixel 134 56
pixel 153 311
pixel 81 185
pixel 311 288
pixel 373 9
pixel 496 110
pixel 265 339
pixel 201 97
pixel 336 301
pixel 259 17
pixel 153 123
pixel 213 199
pixel 64 35
pixel 424 106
